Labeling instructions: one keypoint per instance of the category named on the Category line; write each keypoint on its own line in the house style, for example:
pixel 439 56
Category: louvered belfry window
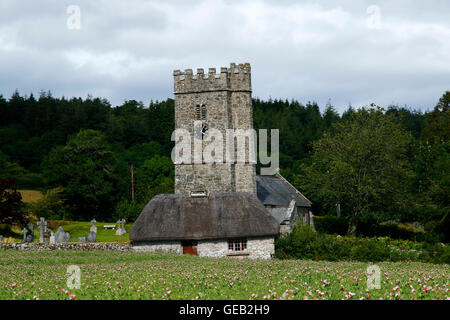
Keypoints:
pixel 203 112
pixel 200 112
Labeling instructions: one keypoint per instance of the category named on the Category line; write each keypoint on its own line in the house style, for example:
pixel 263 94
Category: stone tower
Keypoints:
pixel 218 101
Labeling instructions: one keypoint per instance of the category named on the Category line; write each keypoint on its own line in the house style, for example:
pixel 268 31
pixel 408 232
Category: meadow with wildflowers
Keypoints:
pixel 129 275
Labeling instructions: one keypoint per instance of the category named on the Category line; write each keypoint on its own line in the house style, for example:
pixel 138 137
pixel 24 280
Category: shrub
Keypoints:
pixel 11 205
pixel 51 206
pixel 30 181
pixel 127 210
pixel 331 225
pixel 6 231
pixel 369 226
pixel 303 243
pixel 391 230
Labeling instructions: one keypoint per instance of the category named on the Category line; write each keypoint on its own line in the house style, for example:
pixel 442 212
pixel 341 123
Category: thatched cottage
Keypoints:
pixel 221 224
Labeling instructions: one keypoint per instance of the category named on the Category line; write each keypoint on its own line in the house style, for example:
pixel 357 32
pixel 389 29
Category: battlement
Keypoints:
pixel 234 78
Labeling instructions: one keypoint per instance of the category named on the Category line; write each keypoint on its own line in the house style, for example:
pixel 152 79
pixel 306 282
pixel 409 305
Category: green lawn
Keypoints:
pixel 79 229
pixel 130 275
pixel 31 195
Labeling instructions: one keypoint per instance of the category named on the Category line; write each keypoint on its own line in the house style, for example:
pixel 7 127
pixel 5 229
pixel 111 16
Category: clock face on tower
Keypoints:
pixel 201 131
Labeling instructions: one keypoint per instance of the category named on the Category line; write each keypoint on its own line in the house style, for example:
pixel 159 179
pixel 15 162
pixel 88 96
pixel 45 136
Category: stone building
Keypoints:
pixel 284 202
pixel 215 211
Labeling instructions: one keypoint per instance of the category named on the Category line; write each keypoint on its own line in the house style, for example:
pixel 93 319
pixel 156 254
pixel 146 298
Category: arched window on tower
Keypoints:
pixel 200 112
pixel 203 112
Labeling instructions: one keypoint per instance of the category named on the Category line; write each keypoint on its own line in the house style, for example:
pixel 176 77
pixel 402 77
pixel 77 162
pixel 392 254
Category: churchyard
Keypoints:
pixel 76 229
pixel 130 275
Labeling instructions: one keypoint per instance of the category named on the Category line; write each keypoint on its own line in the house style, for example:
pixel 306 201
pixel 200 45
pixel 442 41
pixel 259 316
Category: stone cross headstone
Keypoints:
pixel 93 227
pixel 92 237
pixel 28 235
pixel 121 228
pixel 42 224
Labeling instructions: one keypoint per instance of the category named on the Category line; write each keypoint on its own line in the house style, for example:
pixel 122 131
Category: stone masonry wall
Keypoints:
pixel 166 246
pixel 257 248
pixel 227 97
pixel 261 248
pixel 66 246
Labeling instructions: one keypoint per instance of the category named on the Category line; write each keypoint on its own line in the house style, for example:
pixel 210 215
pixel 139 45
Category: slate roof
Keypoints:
pixel 220 215
pixel 276 191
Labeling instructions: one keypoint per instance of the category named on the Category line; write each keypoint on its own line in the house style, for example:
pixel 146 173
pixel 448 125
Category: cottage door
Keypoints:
pixel 190 248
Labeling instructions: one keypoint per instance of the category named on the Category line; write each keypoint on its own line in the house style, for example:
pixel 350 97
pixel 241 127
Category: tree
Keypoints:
pixel 85 169
pixel 51 206
pixel 432 164
pixel 11 205
pixel 437 127
pixel 155 176
pixel 362 164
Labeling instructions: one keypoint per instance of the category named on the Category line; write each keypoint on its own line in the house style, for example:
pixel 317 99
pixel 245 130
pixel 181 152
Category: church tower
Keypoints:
pixel 218 101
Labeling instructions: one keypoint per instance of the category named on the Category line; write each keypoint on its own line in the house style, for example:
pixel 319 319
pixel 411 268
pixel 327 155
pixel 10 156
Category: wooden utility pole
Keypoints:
pixel 132 183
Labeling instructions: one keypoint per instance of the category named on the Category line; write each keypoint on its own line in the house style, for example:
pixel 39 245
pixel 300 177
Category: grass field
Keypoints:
pixel 31 195
pixel 130 275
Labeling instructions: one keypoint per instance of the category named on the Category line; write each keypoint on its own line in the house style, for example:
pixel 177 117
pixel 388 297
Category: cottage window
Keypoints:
pixel 237 245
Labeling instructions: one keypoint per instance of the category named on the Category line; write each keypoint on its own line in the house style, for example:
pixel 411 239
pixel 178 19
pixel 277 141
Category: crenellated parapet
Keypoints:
pixel 234 78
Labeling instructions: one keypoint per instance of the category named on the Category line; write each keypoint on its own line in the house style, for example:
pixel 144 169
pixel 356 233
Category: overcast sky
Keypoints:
pixel 355 52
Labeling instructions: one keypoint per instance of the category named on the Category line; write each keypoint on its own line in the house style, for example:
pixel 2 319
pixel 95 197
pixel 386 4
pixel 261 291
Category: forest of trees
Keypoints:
pixel 380 164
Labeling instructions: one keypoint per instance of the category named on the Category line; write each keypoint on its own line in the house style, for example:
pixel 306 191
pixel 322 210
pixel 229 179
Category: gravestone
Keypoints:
pixel 61 235
pixel 92 237
pixel 52 237
pixel 42 224
pixel 121 228
pixel 28 236
pixel 1 238
pixel 81 239
pixel 93 227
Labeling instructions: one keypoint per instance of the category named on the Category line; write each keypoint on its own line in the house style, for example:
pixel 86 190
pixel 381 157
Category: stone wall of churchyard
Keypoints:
pixel 66 246
pixel 166 246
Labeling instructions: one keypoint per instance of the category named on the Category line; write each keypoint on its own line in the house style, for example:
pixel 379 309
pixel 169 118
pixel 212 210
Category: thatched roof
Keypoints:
pixel 276 191
pixel 218 216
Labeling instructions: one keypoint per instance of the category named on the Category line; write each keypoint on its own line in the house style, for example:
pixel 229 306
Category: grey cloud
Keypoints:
pixel 309 50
